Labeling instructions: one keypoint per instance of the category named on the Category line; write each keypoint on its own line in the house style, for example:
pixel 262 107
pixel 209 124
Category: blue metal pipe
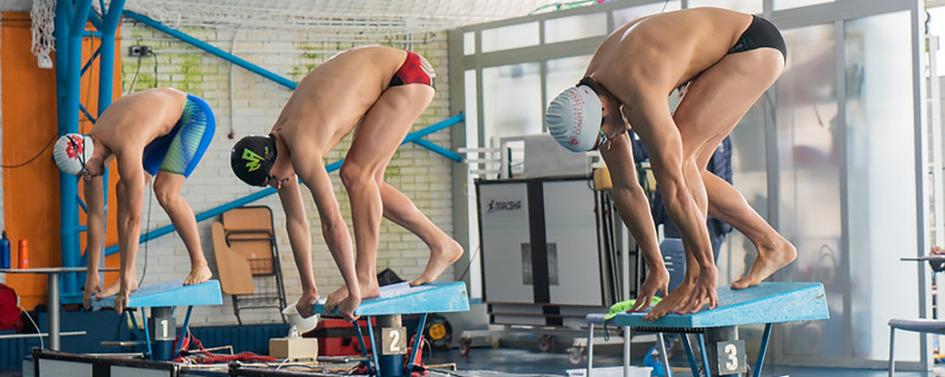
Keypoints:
pixel 96 20
pixel 211 49
pixel 264 193
pixel 70 23
pixel 442 151
pixel 91 34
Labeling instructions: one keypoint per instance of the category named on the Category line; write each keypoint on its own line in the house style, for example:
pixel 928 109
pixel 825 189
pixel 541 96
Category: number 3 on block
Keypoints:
pixel 731 357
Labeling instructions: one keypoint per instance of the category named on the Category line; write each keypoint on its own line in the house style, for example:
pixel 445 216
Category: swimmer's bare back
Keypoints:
pixel 330 101
pixel 659 53
pixel 139 118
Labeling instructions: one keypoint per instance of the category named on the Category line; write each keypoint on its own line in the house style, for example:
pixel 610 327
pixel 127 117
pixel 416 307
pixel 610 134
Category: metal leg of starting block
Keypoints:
pixel 705 356
pixel 762 350
pixel 693 367
pixel 377 364
pixel 590 348
pixel 147 333
pixel 626 351
pixel 662 342
pixel 357 329
pixel 184 330
pixel 416 344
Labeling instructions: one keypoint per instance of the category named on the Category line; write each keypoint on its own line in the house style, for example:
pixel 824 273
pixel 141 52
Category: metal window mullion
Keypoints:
pixel 840 84
pixel 917 11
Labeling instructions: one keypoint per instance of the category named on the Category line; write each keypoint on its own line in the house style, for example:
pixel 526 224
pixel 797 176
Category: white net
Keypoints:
pixel 43 18
pixel 338 18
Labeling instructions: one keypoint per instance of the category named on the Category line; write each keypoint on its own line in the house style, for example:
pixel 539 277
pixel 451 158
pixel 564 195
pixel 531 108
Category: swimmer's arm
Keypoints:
pixel 95 236
pixel 300 238
pixel 630 199
pixel 130 202
pixel 659 133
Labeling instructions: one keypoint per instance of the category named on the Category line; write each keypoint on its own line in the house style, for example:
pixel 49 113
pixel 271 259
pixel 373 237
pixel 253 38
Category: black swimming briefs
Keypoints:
pixel 761 33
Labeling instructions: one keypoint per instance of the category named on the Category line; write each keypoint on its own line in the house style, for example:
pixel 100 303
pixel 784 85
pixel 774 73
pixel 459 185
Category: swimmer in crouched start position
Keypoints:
pixel 377 93
pixel 724 61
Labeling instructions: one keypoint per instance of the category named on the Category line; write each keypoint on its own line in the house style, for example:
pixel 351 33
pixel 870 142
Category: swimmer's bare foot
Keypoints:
pixel 440 259
pixel 114 288
pixel 769 260
pixel 199 273
pixel 339 298
pixel 126 287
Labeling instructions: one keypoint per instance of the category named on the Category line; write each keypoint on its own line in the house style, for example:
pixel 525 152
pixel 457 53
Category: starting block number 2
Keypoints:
pixel 393 341
pixel 731 357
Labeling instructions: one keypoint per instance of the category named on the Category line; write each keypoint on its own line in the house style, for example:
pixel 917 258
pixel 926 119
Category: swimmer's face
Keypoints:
pixel 94 167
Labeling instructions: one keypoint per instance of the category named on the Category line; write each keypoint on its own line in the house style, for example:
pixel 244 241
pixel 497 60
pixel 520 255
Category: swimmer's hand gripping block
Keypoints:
pixel 170 293
pixel 403 299
pixel 774 302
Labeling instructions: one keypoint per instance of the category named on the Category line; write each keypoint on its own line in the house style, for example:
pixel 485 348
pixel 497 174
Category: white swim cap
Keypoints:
pixel 72 151
pixel 574 118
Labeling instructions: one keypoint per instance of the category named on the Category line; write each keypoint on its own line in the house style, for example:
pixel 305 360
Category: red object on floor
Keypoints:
pixel 337 337
pixel 419 369
pixel 202 356
pixel 9 311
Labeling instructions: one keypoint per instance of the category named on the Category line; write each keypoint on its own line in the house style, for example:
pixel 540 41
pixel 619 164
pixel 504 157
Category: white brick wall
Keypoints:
pixel 257 102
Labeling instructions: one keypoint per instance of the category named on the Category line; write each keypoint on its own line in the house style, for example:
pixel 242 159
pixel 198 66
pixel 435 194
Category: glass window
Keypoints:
pixel 564 73
pixel 937 28
pixel 511 96
pixel 469 43
pixel 881 190
pixel 747 6
pixel 622 16
pixel 788 4
pixel 575 27
pixel 808 140
pixel 512 36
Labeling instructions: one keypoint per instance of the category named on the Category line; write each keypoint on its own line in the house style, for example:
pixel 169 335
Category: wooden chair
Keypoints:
pixel 248 259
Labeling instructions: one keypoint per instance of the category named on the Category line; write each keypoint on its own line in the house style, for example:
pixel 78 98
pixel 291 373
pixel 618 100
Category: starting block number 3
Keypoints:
pixel 731 357
pixel 393 341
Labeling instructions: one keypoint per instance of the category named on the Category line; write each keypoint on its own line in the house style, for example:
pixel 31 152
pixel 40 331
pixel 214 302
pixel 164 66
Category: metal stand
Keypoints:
pixel 388 346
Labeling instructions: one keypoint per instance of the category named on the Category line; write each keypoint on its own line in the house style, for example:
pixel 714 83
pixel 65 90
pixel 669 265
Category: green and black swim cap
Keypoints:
pixel 252 157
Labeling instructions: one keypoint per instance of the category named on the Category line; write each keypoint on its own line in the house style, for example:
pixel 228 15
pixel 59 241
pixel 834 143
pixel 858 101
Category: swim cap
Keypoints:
pixel 72 151
pixel 574 118
pixel 252 157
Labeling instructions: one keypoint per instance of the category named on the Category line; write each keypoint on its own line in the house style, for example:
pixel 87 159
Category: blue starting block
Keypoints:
pixel 767 303
pixel 396 300
pixel 162 298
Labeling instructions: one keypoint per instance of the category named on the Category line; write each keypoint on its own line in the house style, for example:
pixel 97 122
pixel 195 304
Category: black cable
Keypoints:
pixel 469 264
pixel 134 79
pixel 665 3
pixel 154 55
pixel 31 159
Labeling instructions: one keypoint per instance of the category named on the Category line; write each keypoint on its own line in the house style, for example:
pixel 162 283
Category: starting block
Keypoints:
pixel 396 300
pixel 162 298
pixel 767 303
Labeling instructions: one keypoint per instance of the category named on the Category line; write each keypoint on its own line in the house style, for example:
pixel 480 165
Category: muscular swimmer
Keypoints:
pixel 160 133
pixel 725 60
pixel 377 93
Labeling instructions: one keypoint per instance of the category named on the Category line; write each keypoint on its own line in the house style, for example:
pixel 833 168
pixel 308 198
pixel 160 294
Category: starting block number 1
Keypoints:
pixel 393 341
pixel 731 357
